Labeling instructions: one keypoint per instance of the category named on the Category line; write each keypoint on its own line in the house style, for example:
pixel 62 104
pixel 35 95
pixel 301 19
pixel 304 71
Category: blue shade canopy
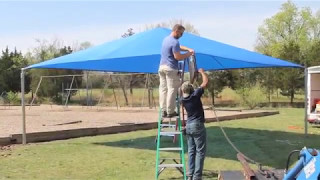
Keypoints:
pixel 141 53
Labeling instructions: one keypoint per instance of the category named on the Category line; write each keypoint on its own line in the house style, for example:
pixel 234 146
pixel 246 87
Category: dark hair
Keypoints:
pixel 178 27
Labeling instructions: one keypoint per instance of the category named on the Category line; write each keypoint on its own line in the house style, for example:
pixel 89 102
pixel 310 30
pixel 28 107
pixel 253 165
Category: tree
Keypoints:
pixel 81 46
pixel 291 34
pixel 269 82
pixel 188 26
pixel 218 80
pixel 251 96
pixel 128 33
pixel 314 53
pixel 10 67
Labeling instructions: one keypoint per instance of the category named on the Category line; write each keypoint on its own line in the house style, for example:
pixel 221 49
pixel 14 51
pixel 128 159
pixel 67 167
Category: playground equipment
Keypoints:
pixel 112 78
pixel 73 86
pixel 69 89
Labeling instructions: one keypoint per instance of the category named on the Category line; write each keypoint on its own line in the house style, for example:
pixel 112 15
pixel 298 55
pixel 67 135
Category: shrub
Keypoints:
pixel 251 96
pixel 13 98
pixel 229 94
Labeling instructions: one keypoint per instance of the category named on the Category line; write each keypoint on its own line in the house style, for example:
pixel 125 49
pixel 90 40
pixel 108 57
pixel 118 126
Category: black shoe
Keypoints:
pixel 172 115
pixel 164 114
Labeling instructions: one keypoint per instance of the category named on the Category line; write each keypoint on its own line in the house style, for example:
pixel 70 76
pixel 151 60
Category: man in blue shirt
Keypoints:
pixel 195 129
pixel 168 70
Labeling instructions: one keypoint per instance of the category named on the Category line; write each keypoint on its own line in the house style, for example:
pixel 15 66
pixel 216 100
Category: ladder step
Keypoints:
pixel 164 133
pixel 173 117
pixel 171 149
pixel 168 125
pixel 169 135
pixel 170 166
pixel 177 159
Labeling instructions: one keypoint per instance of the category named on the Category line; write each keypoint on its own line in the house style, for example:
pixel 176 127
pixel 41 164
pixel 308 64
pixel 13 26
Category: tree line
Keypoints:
pixel 291 34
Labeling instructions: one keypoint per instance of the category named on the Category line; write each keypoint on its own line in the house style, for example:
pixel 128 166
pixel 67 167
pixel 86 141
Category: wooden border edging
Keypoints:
pixel 242 116
pixel 75 133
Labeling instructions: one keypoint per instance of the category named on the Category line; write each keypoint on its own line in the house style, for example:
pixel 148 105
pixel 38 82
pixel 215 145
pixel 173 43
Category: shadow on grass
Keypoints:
pixel 270 148
pixel 207 174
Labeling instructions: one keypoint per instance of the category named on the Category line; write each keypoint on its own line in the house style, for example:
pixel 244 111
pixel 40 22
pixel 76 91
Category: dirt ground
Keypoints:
pixel 46 118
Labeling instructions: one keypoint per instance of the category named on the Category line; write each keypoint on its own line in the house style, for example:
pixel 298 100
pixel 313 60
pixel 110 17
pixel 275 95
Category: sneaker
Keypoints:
pixel 164 113
pixel 172 115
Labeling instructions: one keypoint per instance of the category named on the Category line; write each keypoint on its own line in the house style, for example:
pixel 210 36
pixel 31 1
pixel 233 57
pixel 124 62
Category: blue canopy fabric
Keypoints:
pixel 140 53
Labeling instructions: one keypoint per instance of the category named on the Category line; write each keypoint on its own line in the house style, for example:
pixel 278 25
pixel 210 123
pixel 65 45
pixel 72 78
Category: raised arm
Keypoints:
pixel 184 48
pixel 204 78
pixel 178 56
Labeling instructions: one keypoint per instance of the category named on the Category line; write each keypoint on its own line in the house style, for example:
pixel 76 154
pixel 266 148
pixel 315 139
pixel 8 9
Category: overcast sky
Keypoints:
pixel 231 22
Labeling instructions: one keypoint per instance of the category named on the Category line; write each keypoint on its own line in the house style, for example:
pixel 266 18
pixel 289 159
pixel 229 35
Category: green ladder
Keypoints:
pixel 173 130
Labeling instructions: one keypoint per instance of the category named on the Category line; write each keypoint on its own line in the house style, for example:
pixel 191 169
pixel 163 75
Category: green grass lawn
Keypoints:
pixel 267 140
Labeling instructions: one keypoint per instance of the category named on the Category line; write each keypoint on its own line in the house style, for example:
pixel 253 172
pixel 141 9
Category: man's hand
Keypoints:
pixel 178 56
pixel 201 70
pixel 204 78
pixel 191 51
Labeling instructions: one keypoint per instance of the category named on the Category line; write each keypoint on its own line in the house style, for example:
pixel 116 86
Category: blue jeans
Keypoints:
pixel 196 137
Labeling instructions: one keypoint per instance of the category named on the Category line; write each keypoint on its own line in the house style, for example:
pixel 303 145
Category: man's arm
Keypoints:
pixel 178 56
pixel 184 48
pixel 204 78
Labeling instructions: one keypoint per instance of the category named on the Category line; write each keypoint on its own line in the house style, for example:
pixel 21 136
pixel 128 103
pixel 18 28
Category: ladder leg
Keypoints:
pixel 158 146
pixel 181 145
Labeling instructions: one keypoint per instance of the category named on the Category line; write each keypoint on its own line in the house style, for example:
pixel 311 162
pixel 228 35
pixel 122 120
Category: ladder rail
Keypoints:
pixel 182 159
pixel 158 145
pixel 181 165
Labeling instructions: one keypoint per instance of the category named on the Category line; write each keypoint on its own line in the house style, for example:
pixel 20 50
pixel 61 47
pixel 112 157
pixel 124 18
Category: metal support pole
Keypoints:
pixel 106 84
pixel 144 91
pixel 24 138
pixel 35 94
pixel 78 90
pixel 114 94
pixel 115 98
pixel 87 86
pixel 91 94
pixel 65 105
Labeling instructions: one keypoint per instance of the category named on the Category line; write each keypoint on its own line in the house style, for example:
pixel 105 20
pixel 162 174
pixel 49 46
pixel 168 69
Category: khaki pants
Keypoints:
pixel 169 84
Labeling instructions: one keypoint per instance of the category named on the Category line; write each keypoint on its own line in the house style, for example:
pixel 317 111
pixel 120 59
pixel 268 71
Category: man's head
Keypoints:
pixel 187 89
pixel 177 31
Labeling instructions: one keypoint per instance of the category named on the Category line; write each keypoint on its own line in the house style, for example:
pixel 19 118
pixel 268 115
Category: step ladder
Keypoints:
pixel 167 128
